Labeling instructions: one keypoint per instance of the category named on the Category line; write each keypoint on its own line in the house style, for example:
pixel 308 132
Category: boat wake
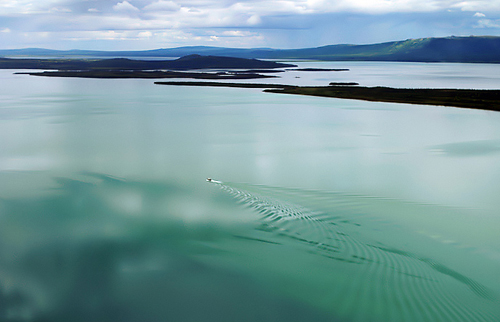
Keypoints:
pixel 392 275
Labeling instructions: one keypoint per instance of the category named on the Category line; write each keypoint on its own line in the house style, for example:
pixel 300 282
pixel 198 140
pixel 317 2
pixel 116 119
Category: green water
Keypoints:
pixel 326 209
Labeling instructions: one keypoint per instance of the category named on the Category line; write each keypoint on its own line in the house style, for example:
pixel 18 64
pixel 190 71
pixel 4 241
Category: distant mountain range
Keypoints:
pixel 451 49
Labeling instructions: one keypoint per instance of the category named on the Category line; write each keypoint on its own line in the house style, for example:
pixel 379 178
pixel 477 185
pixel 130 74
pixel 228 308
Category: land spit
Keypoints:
pixel 465 98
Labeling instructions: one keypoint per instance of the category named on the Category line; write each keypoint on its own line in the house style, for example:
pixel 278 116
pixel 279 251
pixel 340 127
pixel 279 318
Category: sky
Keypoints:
pixel 152 24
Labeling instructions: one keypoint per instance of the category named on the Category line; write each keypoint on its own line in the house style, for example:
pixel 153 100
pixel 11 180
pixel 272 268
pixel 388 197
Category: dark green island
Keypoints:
pixel 465 98
pixel 220 67
pixel 189 62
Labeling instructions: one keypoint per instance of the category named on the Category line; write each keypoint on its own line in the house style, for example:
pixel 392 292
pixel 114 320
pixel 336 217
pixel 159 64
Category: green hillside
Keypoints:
pixel 452 49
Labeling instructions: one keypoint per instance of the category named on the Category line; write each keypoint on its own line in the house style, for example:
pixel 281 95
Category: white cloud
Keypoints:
pixel 375 6
pixel 488 23
pixel 157 39
pixel 230 20
pixel 477 5
pixel 116 35
pixel 125 6
pixel 25 7
pixel 59 9
pixel 145 34
pixel 261 8
pixel 235 33
pixel 254 20
pixel 162 5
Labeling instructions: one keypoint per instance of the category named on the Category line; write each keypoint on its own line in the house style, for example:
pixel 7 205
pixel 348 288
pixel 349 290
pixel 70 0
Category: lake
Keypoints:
pixel 322 210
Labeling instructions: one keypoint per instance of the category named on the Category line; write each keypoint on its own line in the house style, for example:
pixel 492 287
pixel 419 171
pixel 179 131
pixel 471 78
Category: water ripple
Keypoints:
pixel 388 282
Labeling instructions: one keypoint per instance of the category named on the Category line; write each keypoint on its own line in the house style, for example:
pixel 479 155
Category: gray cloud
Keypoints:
pixel 268 23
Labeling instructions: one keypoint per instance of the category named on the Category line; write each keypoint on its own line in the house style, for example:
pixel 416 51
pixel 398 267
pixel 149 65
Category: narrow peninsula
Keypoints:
pixel 465 98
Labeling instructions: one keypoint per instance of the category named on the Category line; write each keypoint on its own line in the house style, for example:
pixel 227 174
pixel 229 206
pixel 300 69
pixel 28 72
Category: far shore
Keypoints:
pixel 464 98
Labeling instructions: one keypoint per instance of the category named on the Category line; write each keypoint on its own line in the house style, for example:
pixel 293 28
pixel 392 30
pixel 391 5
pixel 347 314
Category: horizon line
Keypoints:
pixel 246 48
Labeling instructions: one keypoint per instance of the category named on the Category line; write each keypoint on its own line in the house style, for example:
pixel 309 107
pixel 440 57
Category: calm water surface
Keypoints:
pixel 326 209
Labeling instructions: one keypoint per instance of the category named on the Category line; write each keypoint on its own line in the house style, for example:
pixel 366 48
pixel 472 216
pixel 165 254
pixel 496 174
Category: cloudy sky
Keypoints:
pixel 150 24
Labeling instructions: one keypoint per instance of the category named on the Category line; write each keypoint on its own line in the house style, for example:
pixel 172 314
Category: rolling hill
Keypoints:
pixel 450 49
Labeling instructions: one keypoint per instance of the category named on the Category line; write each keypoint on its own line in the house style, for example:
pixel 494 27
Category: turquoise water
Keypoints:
pixel 326 209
